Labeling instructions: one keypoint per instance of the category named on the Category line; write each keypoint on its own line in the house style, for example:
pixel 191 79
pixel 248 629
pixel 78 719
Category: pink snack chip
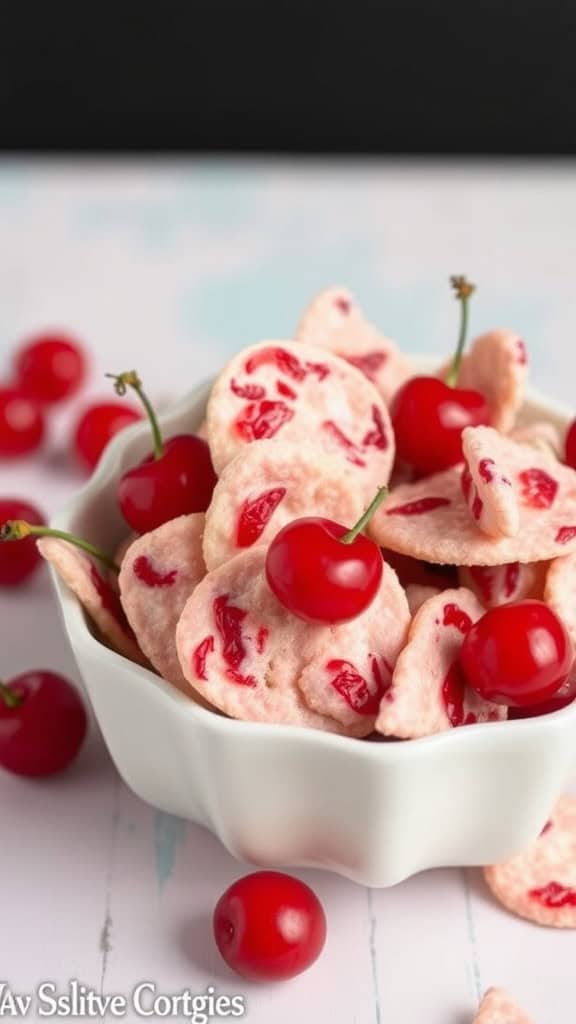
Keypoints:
pixel 500 584
pixel 430 519
pixel 300 393
pixel 95 593
pixel 560 590
pixel 266 486
pixel 158 575
pixel 496 365
pixel 487 488
pixel 541 434
pixel 418 593
pixel 248 655
pixel 334 321
pixel 540 883
pixel 428 693
pixel 497 1007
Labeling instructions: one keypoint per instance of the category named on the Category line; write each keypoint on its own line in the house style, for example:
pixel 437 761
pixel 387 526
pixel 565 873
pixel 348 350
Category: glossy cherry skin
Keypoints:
pixel 570 445
pixel 21 423
pixel 18 559
pixel 178 483
pixel 44 733
pixel 428 419
pixel 50 367
pixel 318 578
pixel 269 926
pixel 517 654
pixel 97 425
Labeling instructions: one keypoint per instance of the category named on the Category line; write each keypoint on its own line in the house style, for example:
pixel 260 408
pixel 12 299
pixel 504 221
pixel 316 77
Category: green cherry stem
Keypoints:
pixel 18 529
pixel 463 289
pixel 365 518
pixel 11 699
pixel 130 379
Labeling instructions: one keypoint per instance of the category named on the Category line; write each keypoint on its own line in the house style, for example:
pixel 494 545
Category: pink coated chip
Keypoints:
pixel 500 584
pixel 497 1007
pixel 560 590
pixel 299 393
pixel 541 434
pixel 487 487
pixel 418 593
pixel 158 575
pixel 202 431
pixel 428 693
pixel 248 655
pixel 430 520
pixel 334 321
pixel 540 883
pixel 496 365
pixel 99 599
pixel 266 486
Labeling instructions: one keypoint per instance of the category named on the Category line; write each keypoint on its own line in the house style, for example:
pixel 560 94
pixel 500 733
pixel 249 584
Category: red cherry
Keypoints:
pixel 177 479
pixel 546 708
pixel 518 654
pixel 269 926
pixel 42 723
pixel 570 445
pixel 97 425
pixel 323 572
pixel 50 367
pixel 21 423
pixel 428 418
pixel 18 561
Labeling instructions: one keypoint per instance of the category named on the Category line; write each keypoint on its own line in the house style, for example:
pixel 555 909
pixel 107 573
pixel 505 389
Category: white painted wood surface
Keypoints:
pixel 170 267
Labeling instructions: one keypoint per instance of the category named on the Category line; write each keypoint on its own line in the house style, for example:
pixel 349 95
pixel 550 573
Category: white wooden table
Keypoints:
pixel 169 267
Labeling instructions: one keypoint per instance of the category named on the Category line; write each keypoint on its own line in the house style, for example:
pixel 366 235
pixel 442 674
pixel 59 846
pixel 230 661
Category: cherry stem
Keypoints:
pixel 11 699
pixel 463 289
pixel 130 379
pixel 365 518
pixel 18 529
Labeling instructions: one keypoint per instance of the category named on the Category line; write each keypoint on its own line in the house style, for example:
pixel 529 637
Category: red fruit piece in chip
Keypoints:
pixel 95 593
pixel 447 533
pixel 331 404
pixel 428 693
pixel 159 572
pixel 540 883
pixel 497 1007
pixel 500 584
pixel 496 366
pixel 266 486
pixel 488 489
pixel 334 321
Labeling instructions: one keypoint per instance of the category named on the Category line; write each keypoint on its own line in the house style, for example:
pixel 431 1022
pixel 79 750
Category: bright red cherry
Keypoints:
pixel 269 926
pixel 21 423
pixel 323 572
pixel 570 445
pixel 97 426
pixel 42 723
pixel 50 367
pixel 518 654
pixel 429 414
pixel 18 561
pixel 177 479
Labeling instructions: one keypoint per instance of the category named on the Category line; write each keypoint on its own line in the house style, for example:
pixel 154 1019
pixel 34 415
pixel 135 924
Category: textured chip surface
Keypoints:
pixel 248 655
pixel 158 574
pixel 540 434
pixel 95 593
pixel 488 490
pixel 496 365
pixel 430 519
pixel 560 590
pixel 428 693
pixel 299 393
pixel 500 584
pixel 333 320
pixel 540 883
pixel 266 486
pixel 497 1007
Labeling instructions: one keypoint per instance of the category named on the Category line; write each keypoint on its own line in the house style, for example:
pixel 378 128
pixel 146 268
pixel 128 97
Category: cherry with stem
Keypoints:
pixel 19 530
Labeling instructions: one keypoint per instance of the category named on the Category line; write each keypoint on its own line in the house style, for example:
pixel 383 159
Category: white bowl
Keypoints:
pixel 278 795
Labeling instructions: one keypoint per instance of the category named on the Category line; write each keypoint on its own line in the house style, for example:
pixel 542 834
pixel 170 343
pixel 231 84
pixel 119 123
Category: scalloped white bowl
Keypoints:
pixel 277 795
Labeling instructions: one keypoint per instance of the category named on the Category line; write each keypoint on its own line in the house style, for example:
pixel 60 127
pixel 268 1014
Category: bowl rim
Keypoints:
pixel 383 750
